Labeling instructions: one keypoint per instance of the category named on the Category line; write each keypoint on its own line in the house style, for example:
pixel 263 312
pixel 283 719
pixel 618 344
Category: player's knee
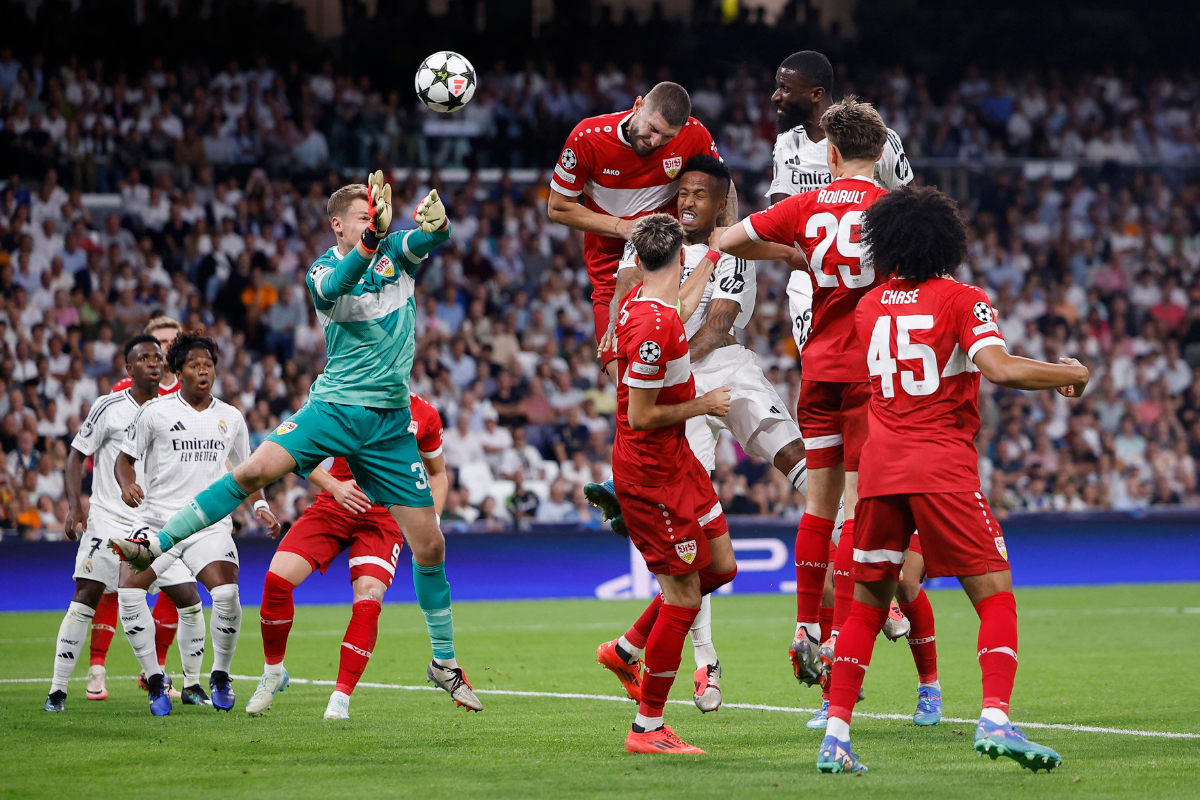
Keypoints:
pixel 88 593
pixel 908 590
pixel 367 588
pixel 225 597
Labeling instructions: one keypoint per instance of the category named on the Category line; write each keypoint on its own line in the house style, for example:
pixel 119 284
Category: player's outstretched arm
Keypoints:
pixel 333 283
pixel 714 333
pixel 125 471
pixel 1069 377
pixel 737 242
pixel 76 521
pixel 645 415
pixel 568 211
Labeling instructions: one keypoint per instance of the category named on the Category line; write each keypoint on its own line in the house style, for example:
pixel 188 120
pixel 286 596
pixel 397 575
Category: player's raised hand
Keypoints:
pixel 717 402
pixel 350 497
pixel 379 204
pixel 430 215
pixel 606 342
pixel 268 519
pixel 1074 389
pixel 75 523
pixel 133 495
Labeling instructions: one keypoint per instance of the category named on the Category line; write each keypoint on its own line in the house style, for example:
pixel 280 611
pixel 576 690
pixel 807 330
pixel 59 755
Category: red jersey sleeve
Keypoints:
pixel 779 223
pixel 657 354
pixel 705 144
pixel 976 321
pixel 574 165
pixel 429 427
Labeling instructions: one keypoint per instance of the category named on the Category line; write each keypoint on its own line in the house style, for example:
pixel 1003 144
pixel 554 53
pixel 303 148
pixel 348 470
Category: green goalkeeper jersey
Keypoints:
pixel 367 309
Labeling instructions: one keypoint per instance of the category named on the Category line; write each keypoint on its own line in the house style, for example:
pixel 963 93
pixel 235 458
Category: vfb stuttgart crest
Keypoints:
pixel 385 267
pixel 686 551
pixel 285 427
pixel 1001 547
pixel 672 165
pixel 650 352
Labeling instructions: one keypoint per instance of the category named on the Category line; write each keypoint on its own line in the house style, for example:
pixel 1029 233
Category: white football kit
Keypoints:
pixel 181 451
pixel 101 436
pixel 758 419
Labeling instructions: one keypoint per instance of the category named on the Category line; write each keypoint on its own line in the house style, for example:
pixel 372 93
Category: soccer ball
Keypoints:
pixel 445 81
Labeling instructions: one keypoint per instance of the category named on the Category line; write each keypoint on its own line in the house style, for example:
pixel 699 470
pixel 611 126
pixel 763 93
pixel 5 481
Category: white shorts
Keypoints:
pixel 757 418
pixel 196 552
pixel 94 560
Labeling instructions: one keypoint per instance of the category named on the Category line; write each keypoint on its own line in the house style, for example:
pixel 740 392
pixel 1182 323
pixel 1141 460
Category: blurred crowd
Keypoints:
pixel 214 187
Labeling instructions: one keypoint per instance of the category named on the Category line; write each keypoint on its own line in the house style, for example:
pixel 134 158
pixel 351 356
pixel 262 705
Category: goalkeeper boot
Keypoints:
pixel 455 683
pixel 96 690
pixel 56 701
pixel 897 625
pixel 160 700
pixel 707 692
pixel 821 718
pixel 805 655
pixel 662 740
pixel 222 690
pixel 269 685
pixel 629 674
pixel 194 695
pixel 339 706
pixel 836 756
pixel 604 497
pixel 1006 740
pixel 929 706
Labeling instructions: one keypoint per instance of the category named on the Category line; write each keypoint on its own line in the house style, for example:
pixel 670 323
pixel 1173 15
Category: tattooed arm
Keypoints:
pixel 714 332
pixel 729 215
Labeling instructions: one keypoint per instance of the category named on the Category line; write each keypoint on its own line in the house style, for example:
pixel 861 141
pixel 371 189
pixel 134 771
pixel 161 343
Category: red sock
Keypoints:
pixel 921 639
pixel 826 630
pixel 711 581
pixel 104 625
pixel 852 656
pixel 275 616
pixel 998 648
pixel 663 654
pixel 358 644
pixel 812 559
pixel 166 620
pixel 639 634
pixel 843 584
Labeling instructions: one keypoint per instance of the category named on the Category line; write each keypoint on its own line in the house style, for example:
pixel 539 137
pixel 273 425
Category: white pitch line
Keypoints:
pixel 610 698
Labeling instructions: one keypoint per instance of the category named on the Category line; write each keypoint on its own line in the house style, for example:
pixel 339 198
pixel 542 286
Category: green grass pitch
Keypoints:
pixel 1117 657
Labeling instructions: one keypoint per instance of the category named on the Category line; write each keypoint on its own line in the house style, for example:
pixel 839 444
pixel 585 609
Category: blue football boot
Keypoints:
pixel 929 706
pixel 820 719
pixel 1005 740
pixel 222 690
pixel 836 756
pixel 160 699
pixel 604 497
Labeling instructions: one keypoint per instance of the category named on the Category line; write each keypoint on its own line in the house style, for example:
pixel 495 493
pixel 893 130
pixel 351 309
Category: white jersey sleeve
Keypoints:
pixel 138 435
pixel 735 279
pixel 892 170
pixel 780 179
pixel 800 302
pixel 239 447
pixel 102 436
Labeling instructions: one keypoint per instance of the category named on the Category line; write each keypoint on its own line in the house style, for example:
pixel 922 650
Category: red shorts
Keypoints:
pixel 600 302
pixel 833 420
pixel 324 531
pixel 671 525
pixel 963 536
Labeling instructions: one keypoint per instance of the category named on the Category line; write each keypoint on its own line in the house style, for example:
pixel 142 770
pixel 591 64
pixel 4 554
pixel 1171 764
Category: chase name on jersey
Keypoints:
pixel 895 296
pixel 840 197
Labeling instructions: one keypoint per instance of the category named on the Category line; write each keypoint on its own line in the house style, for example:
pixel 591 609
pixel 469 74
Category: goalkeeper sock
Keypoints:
pixel 212 505
pixel 433 595
pixel 104 625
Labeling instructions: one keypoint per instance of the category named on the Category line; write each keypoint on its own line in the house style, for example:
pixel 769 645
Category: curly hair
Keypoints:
pixel 184 344
pixel 915 233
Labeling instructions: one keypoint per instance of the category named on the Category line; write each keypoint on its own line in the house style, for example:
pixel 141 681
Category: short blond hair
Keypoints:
pixel 657 238
pixel 341 200
pixel 158 323
pixel 855 128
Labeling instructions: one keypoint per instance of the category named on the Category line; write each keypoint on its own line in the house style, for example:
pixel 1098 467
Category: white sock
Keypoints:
pixel 706 654
pixel 226 624
pixel 340 697
pixel 139 628
pixel 71 634
pixel 648 723
pixel 624 644
pixel 191 642
pixel 936 685
pixel 838 729
pixel 448 663
pixel 798 477
pixel 813 629
pixel 995 715
pixel 273 669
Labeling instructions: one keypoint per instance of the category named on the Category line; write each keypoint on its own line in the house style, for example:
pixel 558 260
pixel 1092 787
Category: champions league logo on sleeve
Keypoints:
pixel 983 312
pixel 568 158
pixel 650 352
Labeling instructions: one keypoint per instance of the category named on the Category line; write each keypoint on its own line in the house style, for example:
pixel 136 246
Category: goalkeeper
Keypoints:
pixel 359 406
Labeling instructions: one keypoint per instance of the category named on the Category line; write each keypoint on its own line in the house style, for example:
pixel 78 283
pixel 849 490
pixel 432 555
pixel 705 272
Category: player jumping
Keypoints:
pixel 672 513
pixel 178 441
pixel 927 338
pixel 757 418
pixel 342 518
pixel 97 569
pixel 363 289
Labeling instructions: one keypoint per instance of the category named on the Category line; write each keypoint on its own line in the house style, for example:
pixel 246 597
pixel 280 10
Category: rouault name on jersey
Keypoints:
pixel 840 197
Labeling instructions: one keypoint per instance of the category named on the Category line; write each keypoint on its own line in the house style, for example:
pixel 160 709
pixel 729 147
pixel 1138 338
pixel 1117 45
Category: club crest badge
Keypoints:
pixel 1001 547
pixel 687 551
pixel 385 268
pixel 412 426
pixel 222 427
pixel 672 166
pixel 285 427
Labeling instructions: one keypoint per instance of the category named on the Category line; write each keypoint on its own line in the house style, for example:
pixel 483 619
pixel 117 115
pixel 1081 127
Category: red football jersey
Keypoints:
pixel 920 340
pixel 598 163
pixel 426 425
pixel 827 225
pixel 652 353
pixel 127 381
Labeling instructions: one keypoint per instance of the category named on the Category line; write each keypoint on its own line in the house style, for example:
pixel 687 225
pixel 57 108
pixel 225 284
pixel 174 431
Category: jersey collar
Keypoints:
pixel 621 130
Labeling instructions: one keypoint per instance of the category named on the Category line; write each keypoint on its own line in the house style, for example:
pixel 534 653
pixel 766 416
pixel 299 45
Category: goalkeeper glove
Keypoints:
pixel 379 206
pixel 431 213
